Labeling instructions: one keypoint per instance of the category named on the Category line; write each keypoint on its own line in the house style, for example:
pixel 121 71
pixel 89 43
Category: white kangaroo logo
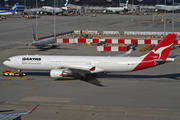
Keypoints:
pixel 159 51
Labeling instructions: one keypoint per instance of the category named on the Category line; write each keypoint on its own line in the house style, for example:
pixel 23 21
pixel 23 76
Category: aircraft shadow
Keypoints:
pixel 67 49
pixel 37 73
pixel 6 111
pixel 75 76
pixel 175 76
pixel 94 81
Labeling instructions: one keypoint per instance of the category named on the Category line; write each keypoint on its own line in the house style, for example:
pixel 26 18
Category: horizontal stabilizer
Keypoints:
pixel 159 61
pixel 171 58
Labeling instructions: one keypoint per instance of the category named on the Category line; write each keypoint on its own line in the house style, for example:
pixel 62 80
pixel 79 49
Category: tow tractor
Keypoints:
pixel 9 73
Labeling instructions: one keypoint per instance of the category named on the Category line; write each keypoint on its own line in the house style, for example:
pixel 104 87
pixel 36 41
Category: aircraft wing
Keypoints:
pixel 122 55
pixel 53 44
pixel 78 68
pixel 12 116
pixel 85 68
pixel 25 43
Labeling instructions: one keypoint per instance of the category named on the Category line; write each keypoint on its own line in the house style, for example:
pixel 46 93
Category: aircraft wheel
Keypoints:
pixel 94 74
pixel 85 78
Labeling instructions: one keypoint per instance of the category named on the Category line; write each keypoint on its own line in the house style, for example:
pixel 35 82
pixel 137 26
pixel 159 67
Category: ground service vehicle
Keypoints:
pixel 9 73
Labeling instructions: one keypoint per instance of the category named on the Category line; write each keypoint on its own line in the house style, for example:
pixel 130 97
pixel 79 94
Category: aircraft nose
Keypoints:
pixel 5 63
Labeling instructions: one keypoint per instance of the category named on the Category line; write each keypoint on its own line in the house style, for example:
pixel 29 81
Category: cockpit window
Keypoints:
pixel 8 59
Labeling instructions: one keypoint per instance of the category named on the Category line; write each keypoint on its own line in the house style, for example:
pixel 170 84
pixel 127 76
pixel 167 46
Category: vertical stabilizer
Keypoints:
pixel 161 51
pixel 34 35
pixel 14 8
pixel 126 5
pixel 159 54
pixel 66 3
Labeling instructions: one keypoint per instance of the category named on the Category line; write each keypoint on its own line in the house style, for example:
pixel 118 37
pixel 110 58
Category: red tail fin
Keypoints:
pixel 159 53
pixel 34 36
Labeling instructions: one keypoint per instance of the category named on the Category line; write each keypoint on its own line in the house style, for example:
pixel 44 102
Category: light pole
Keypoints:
pixel 76 4
pixel 172 15
pixel 165 18
pixel 173 18
pixel 24 4
pixel 132 10
pixel 36 21
pixel 140 7
pixel 54 18
pixel 42 0
pixel 5 2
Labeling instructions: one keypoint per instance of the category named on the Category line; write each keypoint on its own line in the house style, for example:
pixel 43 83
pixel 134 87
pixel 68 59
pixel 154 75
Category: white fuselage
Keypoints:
pixel 44 43
pixel 51 9
pixel 168 8
pixel 102 64
pixel 5 13
pixel 115 9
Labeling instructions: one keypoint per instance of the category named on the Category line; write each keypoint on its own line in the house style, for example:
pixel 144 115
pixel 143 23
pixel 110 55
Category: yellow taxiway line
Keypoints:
pixel 19 86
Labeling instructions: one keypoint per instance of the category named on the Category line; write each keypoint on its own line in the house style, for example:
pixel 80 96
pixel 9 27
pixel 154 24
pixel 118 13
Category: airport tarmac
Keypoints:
pixel 148 94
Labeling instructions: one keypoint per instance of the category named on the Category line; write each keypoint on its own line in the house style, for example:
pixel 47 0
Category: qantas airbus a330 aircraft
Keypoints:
pixel 61 66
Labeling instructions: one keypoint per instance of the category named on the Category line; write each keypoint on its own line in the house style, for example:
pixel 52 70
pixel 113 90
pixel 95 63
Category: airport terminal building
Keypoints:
pixel 32 3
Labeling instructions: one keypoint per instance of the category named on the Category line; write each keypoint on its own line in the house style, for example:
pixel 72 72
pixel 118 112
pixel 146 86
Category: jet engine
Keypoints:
pixel 59 73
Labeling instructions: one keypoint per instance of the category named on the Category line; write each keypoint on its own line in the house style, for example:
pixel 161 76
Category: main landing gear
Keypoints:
pixel 86 77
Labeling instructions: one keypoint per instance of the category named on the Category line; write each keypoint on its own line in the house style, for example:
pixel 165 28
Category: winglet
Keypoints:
pixel 33 109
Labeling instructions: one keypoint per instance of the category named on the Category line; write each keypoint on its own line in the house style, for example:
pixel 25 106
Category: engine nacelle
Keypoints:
pixel 58 73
